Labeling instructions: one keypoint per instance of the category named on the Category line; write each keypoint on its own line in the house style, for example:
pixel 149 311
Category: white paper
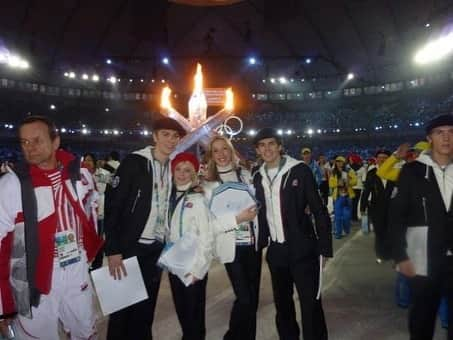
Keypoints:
pixel 232 199
pixel 417 248
pixel 180 258
pixel 114 294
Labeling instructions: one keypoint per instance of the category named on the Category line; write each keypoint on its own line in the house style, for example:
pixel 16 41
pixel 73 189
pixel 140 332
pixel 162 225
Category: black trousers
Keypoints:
pixel 382 239
pixel 190 305
pixel 426 295
pixel 245 275
pixel 324 191
pixel 135 322
pixel 303 274
pixel 355 204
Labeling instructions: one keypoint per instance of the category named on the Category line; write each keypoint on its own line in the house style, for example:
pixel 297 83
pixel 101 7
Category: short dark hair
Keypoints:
pixel 115 155
pixel 53 133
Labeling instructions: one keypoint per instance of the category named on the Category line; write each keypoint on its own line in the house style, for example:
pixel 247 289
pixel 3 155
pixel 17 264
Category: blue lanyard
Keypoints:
pixel 280 166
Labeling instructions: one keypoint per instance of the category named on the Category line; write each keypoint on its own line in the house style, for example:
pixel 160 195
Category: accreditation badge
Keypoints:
pixel 67 248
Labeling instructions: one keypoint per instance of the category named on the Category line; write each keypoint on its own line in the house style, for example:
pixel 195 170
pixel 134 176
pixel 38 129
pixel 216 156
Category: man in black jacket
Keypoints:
pixel 421 218
pixel 286 187
pixel 136 225
pixel 378 207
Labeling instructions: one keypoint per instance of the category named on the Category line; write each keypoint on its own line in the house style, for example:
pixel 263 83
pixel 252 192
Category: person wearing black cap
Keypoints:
pixel 296 248
pixel 137 225
pixel 378 207
pixel 421 223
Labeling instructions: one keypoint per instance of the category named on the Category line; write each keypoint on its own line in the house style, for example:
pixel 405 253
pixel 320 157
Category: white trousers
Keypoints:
pixel 70 302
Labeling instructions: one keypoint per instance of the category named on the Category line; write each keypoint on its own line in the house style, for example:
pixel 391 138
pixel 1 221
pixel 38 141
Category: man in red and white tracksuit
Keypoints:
pixel 48 235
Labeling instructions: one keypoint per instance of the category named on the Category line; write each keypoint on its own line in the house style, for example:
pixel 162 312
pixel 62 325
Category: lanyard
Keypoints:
pixel 174 201
pixel 163 185
pixel 280 166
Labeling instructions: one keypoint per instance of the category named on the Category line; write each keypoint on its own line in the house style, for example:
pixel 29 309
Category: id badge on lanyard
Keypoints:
pixel 67 248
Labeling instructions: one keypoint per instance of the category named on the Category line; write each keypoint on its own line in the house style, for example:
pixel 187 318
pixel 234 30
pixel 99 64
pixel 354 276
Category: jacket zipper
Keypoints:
pixel 136 199
pixel 425 210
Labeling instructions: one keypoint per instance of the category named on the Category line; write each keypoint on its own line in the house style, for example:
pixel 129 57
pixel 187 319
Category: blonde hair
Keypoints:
pixel 212 172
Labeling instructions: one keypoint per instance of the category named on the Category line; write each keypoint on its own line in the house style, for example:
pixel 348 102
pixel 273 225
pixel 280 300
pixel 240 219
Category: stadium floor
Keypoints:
pixel 358 299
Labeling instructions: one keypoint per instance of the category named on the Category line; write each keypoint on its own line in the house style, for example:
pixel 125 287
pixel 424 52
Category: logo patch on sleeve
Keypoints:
pixel 295 183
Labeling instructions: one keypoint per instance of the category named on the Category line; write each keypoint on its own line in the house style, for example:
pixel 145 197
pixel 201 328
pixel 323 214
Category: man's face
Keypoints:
pixel 380 158
pixel 322 159
pixel 37 146
pixel 441 139
pixel 306 157
pixel 166 141
pixel 269 150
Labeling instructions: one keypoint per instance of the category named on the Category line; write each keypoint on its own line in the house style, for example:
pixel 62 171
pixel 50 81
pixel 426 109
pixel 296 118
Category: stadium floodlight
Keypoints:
pixel 282 80
pixel 52 107
pixel 252 61
pixel 142 80
pixel 165 60
pixel 252 132
pixel 272 80
pixel 310 131
pixel 107 109
pixel 85 76
pixel 308 61
pixel 108 61
pixel 289 132
pixel 95 78
pixel 116 132
pixel 131 80
pixel 280 132
pixel 63 130
pixel 435 50
pixel 351 76
pixel 264 80
pixel 112 79
pixel 66 74
pixel 72 75
pixel 145 133
pixel 85 131
pixel 319 131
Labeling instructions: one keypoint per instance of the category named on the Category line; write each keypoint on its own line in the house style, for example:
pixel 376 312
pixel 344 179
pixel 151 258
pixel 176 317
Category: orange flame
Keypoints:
pixel 165 98
pixel 229 99
pixel 198 79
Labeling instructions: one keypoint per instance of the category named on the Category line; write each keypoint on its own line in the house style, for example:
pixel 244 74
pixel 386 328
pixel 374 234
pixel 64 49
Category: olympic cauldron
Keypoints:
pixel 200 129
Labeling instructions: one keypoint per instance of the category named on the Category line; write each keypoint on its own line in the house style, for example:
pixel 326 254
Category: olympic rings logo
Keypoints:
pixel 226 129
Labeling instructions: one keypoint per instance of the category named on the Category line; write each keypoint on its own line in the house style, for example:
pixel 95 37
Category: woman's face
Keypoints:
pixel 184 173
pixel 88 162
pixel 221 153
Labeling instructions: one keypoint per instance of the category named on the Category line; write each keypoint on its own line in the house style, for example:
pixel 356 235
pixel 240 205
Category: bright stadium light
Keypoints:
pixel 435 50
pixel 95 78
pixel 63 130
pixel 351 76
pixel 66 74
pixel 280 132
pixel 108 61
pixel 252 132
pixel 272 80
pixel 72 75
pixel 85 76
pixel 165 61
pixel 282 80
pixel 310 131
pixel 308 61
pixel 112 79
pixel 52 107
pixel 289 132
pixel 252 61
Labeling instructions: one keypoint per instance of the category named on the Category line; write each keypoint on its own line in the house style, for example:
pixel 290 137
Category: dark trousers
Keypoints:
pixel 324 191
pixel 244 274
pixel 426 296
pixel 135 322
pixel 382 241
pixel 190 305
pixel 355 204
pixel 304 275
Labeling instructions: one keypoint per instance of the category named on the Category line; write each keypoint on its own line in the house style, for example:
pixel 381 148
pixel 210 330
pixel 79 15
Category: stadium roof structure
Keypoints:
pixel 297 38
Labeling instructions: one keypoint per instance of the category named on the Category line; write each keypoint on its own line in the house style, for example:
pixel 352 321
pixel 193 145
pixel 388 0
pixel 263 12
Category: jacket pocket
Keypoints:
pixel 417 248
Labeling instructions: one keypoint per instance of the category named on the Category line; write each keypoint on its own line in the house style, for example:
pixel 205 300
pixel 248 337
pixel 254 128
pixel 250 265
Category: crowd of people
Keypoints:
pixel 60 216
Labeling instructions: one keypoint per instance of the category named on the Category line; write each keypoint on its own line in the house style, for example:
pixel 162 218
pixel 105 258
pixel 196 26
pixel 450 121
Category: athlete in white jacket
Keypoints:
pixel 188 214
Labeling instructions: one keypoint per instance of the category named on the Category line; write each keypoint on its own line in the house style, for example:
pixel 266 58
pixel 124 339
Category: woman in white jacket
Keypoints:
pixel 188 213
pixel 235 244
